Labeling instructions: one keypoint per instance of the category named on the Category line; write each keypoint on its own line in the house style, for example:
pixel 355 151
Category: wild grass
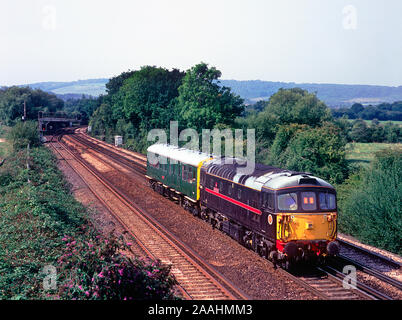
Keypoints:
pixel 364 153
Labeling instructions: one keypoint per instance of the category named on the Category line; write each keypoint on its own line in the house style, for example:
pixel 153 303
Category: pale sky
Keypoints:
pixel 320 41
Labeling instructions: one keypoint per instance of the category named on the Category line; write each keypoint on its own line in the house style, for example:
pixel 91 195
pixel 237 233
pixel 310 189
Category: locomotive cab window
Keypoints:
pixel 327 201
pixel 308 201
pixel 287 202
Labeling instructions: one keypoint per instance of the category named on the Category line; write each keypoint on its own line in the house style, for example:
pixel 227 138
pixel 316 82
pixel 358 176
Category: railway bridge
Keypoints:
pixel 50 122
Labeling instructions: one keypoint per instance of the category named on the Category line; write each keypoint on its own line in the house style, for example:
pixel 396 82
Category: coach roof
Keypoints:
pixel 182 155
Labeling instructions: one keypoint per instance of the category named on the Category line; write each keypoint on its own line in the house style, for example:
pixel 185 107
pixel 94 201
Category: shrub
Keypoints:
pixel 24 133
pixel 96 269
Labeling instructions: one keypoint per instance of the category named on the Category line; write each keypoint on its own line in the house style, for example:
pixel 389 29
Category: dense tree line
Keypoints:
pixel 362 131
pixel 295 130
pixel 12 103
pixel 383 112
pixel 149 98
pixel 84 105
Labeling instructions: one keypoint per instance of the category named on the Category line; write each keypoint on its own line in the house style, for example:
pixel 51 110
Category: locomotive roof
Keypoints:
pixel 183 155
pixel 262 175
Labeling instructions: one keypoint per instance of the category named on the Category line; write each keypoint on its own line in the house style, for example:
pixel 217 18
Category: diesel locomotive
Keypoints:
pixel 283 215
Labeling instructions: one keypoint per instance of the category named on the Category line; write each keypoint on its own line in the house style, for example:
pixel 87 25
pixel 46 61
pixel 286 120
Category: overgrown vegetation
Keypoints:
pixel 371 202
pixel 43 225
pixel 24 134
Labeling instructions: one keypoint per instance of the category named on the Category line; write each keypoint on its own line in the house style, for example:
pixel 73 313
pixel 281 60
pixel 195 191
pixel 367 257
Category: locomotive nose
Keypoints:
pixel 333 248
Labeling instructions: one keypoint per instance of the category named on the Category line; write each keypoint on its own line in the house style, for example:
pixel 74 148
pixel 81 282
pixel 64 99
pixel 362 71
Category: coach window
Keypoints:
pixel 184 173
pixel 191 175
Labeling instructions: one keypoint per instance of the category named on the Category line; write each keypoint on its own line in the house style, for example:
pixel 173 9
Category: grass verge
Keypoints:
pixel 50 250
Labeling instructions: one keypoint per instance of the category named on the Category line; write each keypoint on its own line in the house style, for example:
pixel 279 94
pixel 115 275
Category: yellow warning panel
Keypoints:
pixel 302 226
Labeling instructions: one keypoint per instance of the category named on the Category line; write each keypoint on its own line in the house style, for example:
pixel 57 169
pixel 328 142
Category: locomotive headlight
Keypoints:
pixel 331 217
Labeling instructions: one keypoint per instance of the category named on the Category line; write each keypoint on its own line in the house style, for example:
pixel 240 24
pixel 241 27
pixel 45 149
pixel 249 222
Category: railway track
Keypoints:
pixel 369 262
pixel 327 282
pixel 196 278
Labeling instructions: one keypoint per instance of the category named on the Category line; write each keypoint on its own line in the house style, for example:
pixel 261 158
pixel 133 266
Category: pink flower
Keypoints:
pixel 100 275
pixel 129 244
pixel 87 293
pixel 121 271
pixel 80 287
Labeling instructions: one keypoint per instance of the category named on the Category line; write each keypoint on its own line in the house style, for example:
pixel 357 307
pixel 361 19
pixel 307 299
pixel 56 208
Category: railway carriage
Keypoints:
pixel 175 172
pixel 283 215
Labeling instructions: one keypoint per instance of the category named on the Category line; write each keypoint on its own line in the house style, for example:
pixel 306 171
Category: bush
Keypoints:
pixel 96 269
pixel 371 202
pixel 24 133
pixel 42 224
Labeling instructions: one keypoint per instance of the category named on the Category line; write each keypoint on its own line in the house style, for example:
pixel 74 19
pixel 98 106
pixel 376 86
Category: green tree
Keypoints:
pixel 392 133
pixel 146 97
pixel 12 103
pixel 320 151
pixel 371 202
pixel 357 108
pixel 277 155
pixel 360 132
pixel 203 103
pixel 101 121
pixel 298 106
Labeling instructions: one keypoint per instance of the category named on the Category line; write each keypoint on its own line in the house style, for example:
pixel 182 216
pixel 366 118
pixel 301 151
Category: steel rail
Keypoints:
pixel 168 237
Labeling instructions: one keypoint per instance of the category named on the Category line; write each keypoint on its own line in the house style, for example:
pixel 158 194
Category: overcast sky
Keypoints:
pixel 321 41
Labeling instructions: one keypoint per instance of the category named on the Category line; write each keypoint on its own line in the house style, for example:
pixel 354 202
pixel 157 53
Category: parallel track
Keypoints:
pixel 324 282
pixel 197 279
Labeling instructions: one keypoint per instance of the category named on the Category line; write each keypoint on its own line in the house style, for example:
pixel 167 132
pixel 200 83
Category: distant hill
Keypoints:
pixel 92 87
pixel 334 95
